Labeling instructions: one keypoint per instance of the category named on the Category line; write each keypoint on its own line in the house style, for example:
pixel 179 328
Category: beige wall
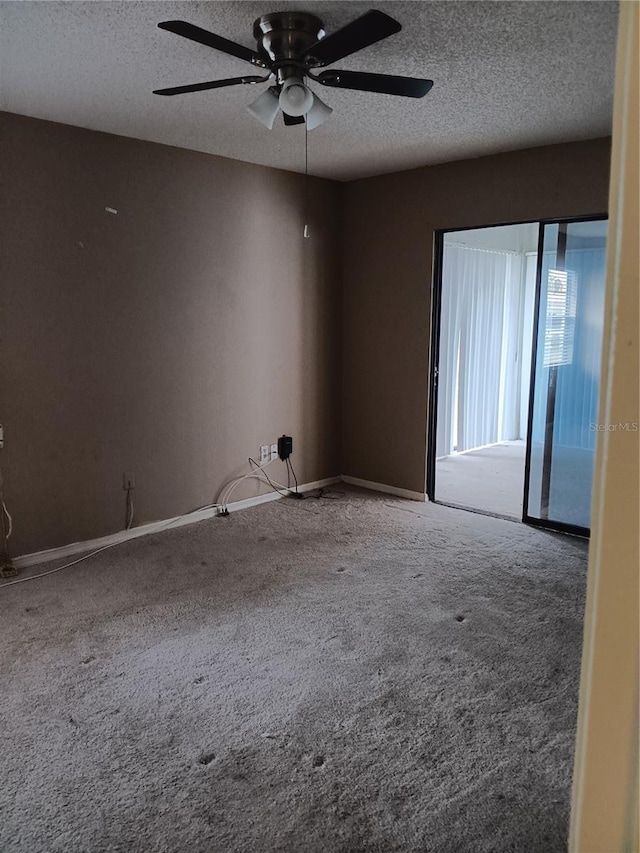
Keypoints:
pixel 389 232
pixel 171 339
pixel 605 790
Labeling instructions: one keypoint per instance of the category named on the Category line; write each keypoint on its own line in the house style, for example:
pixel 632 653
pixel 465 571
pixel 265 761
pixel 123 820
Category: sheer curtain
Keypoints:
pixel 480 344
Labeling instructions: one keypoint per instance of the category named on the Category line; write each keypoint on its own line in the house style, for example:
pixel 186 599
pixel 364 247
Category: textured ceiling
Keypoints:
pixel 507 75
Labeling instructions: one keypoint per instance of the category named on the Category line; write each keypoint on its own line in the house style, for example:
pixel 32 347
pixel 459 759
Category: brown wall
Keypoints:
pixel 388 240
pixel 174 338
pixel 171 339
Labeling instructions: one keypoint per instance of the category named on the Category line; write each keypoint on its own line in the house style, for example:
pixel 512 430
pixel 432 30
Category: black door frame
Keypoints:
pixel 436 307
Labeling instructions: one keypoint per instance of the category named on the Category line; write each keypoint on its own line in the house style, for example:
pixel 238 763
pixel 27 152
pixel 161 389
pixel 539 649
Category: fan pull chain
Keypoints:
pixel 305 233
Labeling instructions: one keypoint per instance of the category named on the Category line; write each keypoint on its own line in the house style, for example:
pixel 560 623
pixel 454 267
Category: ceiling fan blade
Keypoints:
pixel 190 31
pixel 368 29
pixel 212 84
pixel 387 84
pixel 289 120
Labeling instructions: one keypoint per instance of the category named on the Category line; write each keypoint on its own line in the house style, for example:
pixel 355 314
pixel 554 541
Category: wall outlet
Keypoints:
pixel 1 436
pixel 274 452
pixel 264 453
pixel 128 480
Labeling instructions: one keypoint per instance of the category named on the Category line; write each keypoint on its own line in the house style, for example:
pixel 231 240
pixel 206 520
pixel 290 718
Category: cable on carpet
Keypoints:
pixel 167 524
pixel 227 489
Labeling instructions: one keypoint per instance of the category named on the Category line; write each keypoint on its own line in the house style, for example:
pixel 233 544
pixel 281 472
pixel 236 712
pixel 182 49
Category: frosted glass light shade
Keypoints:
pixel 318 113
pixel 265 108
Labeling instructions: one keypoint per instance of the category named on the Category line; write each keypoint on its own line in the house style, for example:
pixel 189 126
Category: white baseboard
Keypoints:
pixel 155 527
pixel 381 487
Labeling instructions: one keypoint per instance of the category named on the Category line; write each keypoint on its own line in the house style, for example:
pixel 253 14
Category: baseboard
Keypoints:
pixel 156 526
pixel 381 487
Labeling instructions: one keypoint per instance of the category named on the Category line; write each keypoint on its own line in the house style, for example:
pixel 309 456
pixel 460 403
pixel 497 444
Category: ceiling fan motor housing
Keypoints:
pixel 283 37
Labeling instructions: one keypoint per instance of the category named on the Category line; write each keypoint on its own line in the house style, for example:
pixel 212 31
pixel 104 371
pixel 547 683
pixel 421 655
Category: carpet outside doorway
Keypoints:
pixel 490 479
pixel 352 673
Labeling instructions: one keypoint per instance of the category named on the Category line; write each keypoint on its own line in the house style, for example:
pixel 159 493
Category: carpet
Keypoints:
pixel 490 479
pixel 353 672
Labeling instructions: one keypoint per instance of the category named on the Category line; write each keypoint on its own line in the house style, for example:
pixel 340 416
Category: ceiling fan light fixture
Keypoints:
pixel 265 108
pixel 289 46
pixel 296 99
pixel 318 113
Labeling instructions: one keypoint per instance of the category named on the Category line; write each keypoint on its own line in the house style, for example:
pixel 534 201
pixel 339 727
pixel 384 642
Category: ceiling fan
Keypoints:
pixel 290 45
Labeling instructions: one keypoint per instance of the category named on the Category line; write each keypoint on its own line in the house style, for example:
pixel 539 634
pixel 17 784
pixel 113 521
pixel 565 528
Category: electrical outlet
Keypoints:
pixel 264 453
pixel 128 480
pixel 1 436
pixel 274 452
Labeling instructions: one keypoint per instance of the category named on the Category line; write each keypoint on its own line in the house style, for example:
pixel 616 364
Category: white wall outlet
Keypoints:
pixel 274 452
pixel 264 453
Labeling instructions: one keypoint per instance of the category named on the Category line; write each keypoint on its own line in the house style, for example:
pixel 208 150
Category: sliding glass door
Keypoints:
pixel 516 349
pixel 566 375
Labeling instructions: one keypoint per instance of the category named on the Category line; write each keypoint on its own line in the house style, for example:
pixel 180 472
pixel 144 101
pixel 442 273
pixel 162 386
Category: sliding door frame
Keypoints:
pixel 546 523
pixel 436 309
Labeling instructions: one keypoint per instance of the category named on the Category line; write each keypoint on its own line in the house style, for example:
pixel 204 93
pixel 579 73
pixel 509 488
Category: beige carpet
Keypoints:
pixel 491 479
pixel 343 674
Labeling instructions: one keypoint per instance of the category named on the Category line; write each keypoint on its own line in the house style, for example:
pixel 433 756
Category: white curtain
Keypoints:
pixel 480 343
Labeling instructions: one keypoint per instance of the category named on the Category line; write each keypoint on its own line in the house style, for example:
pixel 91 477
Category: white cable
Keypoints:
pixel 230 487
pixel 168 523
pixel 251 475
pixel 59 568
pixel 6 512
pixel 130 510
pixel 5 535
pixel 98 551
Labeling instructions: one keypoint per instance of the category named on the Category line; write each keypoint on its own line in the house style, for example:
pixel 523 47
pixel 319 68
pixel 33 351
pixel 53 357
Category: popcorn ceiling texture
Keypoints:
pixel 353 673
pixel 507 75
